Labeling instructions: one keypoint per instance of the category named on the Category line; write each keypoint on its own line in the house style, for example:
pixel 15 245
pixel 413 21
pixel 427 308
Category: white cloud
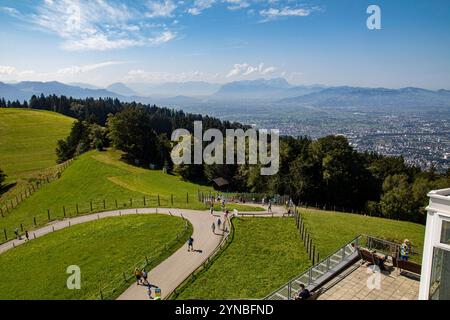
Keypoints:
pixel 273 13
pixel 75 70
pixel 112 24
pixel 200 5
pixel 244 69
pixel 10 72
pixel 76 73
pixel 101 24
pixel 161 8
pixel 237 4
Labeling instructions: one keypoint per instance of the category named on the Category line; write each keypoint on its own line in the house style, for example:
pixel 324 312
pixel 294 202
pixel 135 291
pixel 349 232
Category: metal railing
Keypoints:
pixel 311 275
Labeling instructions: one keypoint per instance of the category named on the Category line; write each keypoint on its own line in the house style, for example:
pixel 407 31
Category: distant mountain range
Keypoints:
pixel 24 90
pixel 275 91
pixel 343 97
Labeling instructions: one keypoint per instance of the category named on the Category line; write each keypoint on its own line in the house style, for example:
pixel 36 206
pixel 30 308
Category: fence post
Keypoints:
pixel 313 254
pixel 144 202
pixel 116 203
pixel 21 227
pixel 131 202
pixel 104 204
pixel 48 214
pixel 171 199
pixel 34 219
pixel 91 205
pixel 158 201
pixel 6 235
pixel 77 209
pixel 64 211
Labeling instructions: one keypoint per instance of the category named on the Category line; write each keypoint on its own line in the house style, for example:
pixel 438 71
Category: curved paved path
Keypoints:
pixel 172 271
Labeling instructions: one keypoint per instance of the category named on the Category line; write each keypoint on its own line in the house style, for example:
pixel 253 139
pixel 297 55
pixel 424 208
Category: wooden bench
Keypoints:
pixel 370 257
pixel 407 266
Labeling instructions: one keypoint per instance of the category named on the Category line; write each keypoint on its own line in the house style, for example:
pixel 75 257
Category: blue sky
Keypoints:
pixel 306 42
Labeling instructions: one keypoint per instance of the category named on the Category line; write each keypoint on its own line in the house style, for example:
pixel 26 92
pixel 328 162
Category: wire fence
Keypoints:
pixel 313 252
pixel 96 206
pixel 13 198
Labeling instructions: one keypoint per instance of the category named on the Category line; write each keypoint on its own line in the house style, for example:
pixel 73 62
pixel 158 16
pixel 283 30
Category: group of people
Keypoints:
pixel 141 277
pixel 18 237
pixel 142 280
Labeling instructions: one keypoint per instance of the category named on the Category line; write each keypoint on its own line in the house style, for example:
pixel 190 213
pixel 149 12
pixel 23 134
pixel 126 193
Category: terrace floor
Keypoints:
pixel 353 285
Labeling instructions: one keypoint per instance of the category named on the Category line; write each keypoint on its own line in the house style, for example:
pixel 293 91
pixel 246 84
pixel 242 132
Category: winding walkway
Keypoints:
pixel 171 272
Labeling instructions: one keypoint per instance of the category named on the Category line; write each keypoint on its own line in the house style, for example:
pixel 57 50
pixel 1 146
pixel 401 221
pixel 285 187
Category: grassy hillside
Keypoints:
pixel 102 178
pixel 28 140
pixel 267 252
pixel 103 250
pixel 264 254
pixel 331 230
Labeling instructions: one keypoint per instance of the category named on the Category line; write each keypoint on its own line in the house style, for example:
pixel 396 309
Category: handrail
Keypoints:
pixel 309 270
pixel 208 259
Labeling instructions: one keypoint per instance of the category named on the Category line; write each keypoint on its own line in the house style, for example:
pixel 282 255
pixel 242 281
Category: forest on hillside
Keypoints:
pixel 323 172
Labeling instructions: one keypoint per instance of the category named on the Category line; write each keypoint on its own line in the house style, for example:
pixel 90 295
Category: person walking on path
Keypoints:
pixel 270 206
pixel 211 210
pixel 213 228
pixel 219 222
pixel 145 277
pixel 16 232
pixel 138 275
pixel 191 244
pixel 27 235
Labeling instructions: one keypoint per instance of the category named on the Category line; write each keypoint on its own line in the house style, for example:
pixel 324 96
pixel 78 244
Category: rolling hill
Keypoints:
pixel 29 140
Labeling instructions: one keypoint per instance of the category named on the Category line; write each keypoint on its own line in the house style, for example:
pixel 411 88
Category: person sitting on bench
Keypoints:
pixel 303 294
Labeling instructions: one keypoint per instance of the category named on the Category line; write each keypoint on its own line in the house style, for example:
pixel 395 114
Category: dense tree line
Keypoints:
pixel 327 172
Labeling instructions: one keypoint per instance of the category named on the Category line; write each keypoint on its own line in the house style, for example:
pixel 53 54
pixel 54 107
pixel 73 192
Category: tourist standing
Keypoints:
pixel 405 250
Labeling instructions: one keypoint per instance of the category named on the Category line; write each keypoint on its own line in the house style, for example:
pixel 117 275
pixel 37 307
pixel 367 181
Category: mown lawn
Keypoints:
pixel 103 250
pixel 331 230
pixel 102 178
pixel 28 140
pixel 265 253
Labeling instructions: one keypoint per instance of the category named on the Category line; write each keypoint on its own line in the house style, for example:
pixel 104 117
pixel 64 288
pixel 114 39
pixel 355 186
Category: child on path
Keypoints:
pixel 219 222
pixel 213 228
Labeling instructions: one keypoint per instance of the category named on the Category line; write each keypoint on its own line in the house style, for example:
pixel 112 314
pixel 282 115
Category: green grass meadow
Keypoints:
pixel 102 178
pixel 103 250
pixel 331 230
pixel 28 140
pixel 264 254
